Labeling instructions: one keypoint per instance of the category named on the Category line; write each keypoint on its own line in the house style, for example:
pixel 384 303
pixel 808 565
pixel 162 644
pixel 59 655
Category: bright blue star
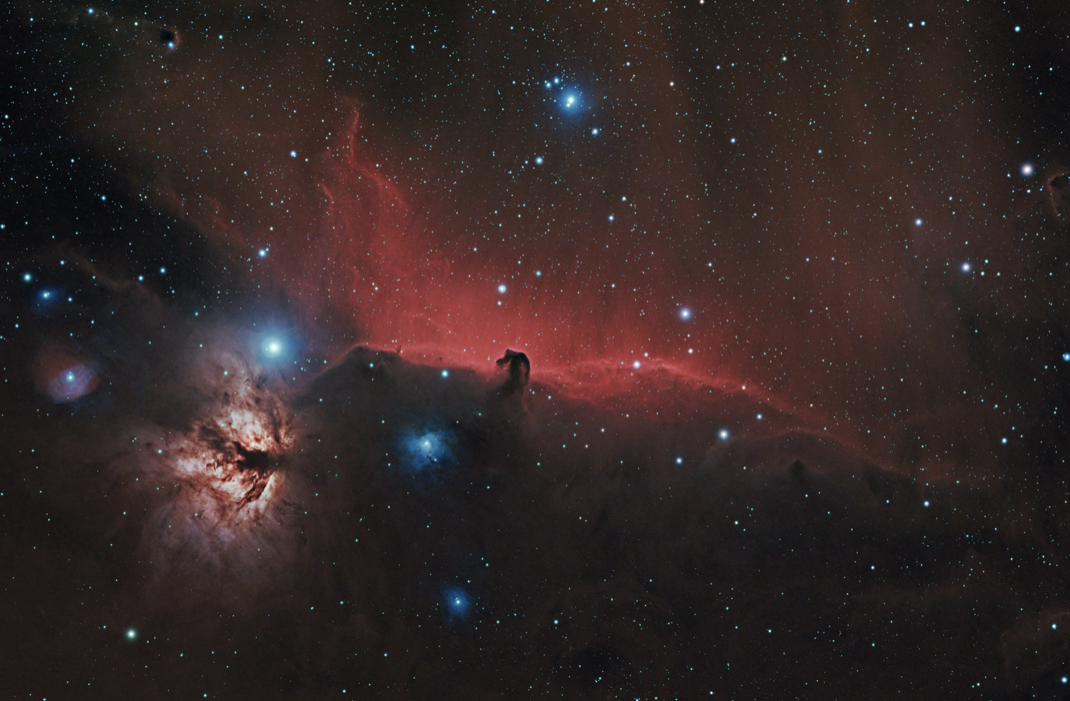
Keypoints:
pixel 501 289
pixel 26 277
pixel 272 347
pixel 685 314
pixel 1066 357
pixel 131 634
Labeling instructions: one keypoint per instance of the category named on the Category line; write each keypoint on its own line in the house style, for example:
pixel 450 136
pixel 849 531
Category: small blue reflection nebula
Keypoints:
pixel 72 383
pixel 458 605
pixel 423 451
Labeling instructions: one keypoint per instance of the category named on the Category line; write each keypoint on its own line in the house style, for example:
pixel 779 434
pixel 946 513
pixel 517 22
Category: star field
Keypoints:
pixel 608 350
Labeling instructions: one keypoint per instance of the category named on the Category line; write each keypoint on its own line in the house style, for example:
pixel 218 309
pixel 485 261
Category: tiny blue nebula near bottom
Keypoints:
pixel 457 602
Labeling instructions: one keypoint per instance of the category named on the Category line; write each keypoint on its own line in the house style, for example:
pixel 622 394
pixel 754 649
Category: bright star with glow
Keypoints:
pixel 262 252
pixel 131 634
pixel 26 277
pixel 1028 170
pixel 538 160
pixel 445 373
pixel 966 267
pixel 723 434
pixel 501 289
pixel 917 222
pixel 1066 357
pixel 272 347
pixel 636 365
pixel 685 314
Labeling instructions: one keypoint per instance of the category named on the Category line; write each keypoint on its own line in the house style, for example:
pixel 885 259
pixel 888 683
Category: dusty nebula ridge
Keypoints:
pixel 659 350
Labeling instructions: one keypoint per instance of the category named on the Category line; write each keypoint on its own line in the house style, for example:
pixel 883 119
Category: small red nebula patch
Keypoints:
pixel 63 377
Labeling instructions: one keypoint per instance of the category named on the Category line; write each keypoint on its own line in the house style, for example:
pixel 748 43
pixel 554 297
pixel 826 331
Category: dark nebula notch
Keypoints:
pixel 1059 191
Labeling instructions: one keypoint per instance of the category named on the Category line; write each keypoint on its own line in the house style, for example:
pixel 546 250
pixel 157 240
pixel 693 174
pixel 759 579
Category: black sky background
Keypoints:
pixel 840 474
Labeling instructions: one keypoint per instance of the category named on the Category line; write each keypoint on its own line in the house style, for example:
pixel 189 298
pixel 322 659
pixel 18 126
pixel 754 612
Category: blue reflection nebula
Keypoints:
pixel 71 383
pixel 458 604
pixel 423 451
